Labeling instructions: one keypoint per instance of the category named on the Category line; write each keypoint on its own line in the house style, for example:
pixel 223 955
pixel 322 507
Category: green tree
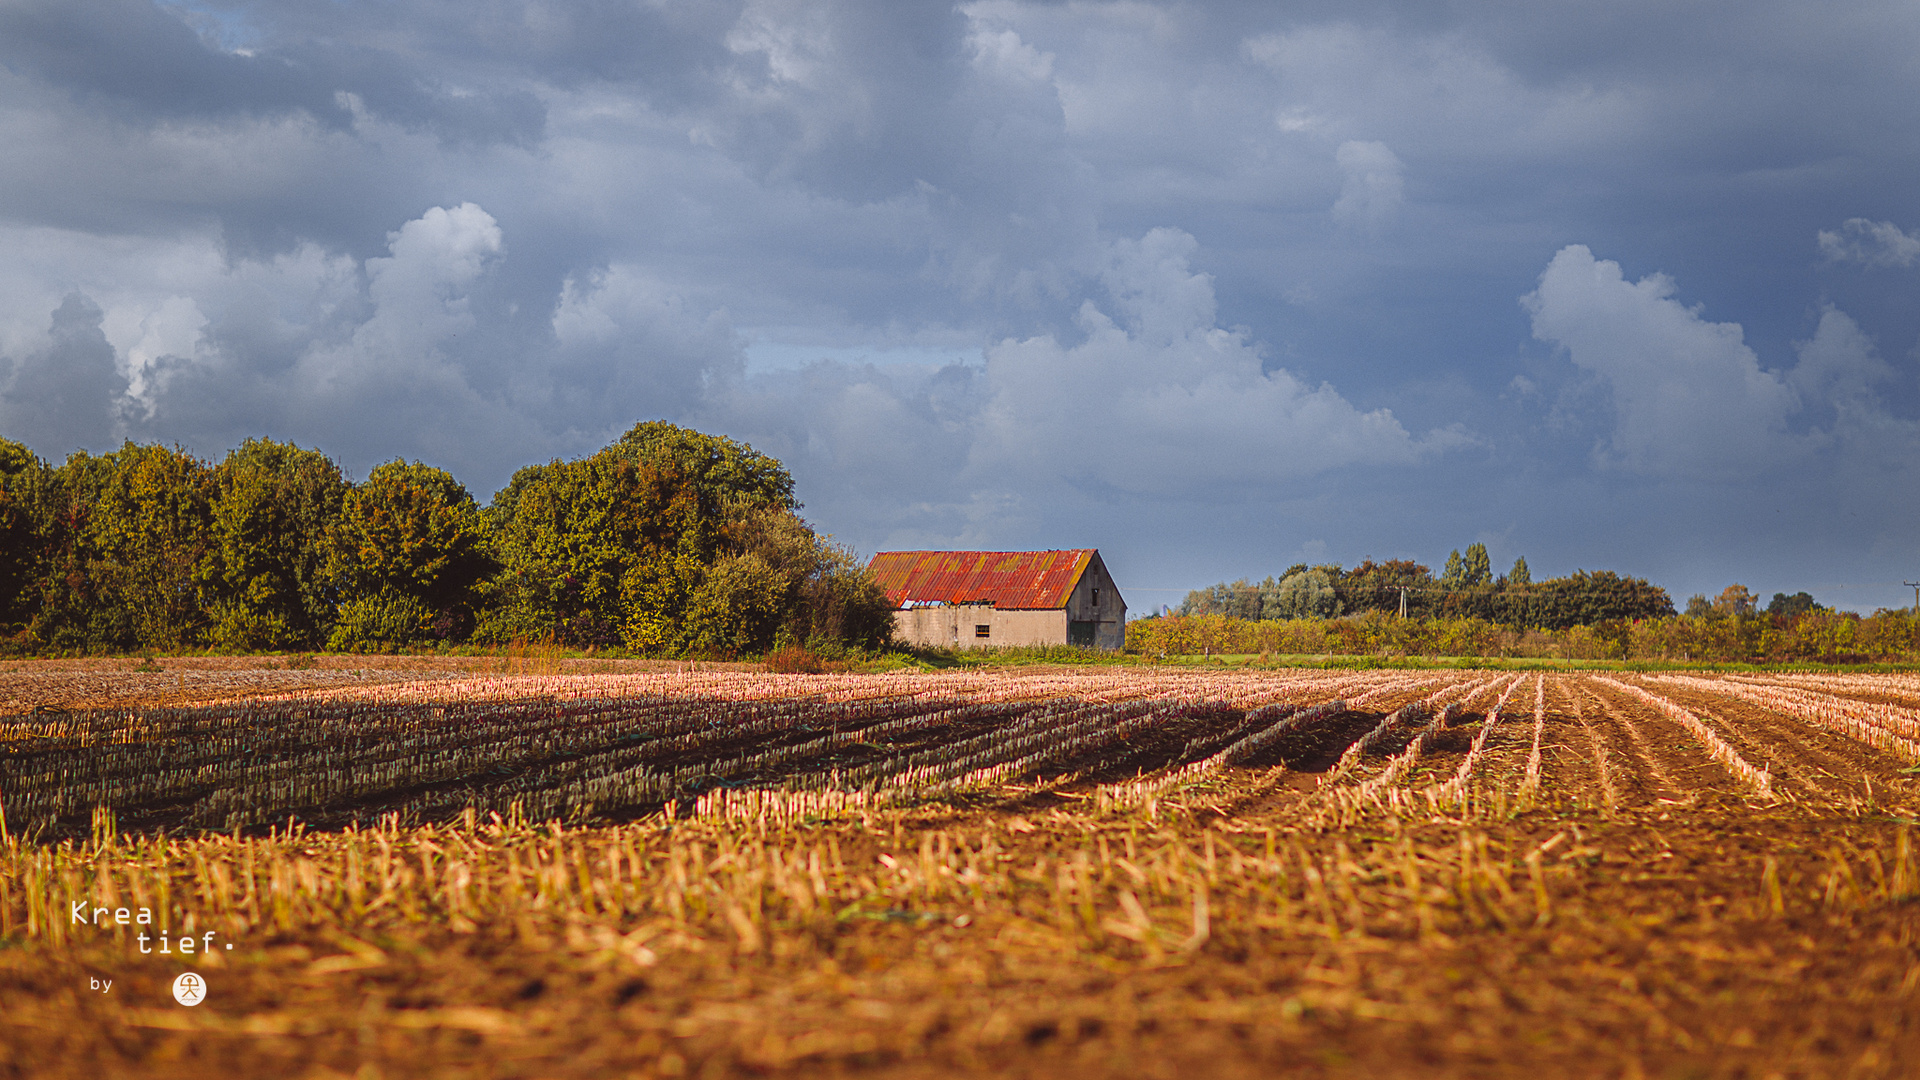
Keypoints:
pixel 26 536
pixel 735 609
pixel 1242 599
pixel 829 600
pixel 1520 575
pixel 1375 586
pixel 131 549
pixel 1454 576
pixel 405 555
pixel 1268 598
pixel 274 506
pixel 1787 607
pixel 1309 594
pixel 613 548
pixel 1212 600
pixel 672 541
pixel 840 602
pixel 724 473
pixel 768 580
pixel 1584 599
pixel 569 536
pixel 1475 568
pixel 1735 601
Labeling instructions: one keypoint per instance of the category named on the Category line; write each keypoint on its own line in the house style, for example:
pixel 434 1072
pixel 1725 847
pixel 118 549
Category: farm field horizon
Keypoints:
pixel 1126 871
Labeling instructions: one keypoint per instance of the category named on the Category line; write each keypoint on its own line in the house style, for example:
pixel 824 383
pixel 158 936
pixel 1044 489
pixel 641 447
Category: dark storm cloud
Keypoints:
pixel 67 396
pixel 142 62
pixel 139 62
pixel 1232 285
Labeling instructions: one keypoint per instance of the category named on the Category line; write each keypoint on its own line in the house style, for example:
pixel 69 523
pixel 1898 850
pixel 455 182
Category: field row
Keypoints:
pixel 797 747
pixel 1062 873
pixel 555 746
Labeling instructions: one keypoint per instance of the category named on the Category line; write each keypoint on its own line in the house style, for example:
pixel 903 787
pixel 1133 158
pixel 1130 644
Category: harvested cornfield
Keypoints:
pixel 1127 871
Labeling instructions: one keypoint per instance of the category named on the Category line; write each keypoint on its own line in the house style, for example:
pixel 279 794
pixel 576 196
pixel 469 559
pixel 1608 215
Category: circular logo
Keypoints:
pixel 189 989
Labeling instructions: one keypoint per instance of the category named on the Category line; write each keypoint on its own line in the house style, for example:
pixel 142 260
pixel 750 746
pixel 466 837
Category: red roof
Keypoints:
pixel 1005 579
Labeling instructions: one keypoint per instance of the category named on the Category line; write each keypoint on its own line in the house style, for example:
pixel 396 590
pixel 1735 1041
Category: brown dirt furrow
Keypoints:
pixel 1740 729
pixel 1503 762
pixel 1444 746
pixel 1447 750
pixel 1834 768
pixel 1795 700
pixel 23 692
pixel 1624 774
pixel 1570 753
pixel 1294 766
pixel 1875 689
pixel 1669 764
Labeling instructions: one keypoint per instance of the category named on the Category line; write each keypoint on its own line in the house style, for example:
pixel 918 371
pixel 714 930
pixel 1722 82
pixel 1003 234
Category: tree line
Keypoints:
pixel 667 542
pixel 1466 588
pixel 1711 636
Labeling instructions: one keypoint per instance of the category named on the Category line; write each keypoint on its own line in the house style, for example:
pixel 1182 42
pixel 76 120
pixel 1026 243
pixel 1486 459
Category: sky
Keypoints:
pixel 1215 288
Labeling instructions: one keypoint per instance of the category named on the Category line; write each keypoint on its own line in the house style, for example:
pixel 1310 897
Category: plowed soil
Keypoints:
pixel 27 685
pixel 1644 908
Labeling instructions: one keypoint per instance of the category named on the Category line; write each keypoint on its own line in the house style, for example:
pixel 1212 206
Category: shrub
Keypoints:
pixel 382 622
pixel 795 660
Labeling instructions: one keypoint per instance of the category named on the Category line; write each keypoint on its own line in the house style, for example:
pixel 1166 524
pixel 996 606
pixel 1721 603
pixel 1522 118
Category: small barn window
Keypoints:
pixel 982 630
pixel 1096 596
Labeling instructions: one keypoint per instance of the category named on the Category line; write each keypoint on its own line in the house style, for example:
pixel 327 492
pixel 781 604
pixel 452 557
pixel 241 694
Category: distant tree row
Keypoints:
pixel 1466 588
pixel 1738 602
pixel 1817 634
pixel 668 542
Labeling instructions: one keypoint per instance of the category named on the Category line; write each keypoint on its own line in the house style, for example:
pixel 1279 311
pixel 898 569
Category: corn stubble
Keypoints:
pixel 1123 872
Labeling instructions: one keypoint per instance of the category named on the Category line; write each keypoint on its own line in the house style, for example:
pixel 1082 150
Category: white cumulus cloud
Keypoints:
pixel 397 361
pixel 1154 402
pixel 1872 243
pixel 1690 397
pixel 1158 395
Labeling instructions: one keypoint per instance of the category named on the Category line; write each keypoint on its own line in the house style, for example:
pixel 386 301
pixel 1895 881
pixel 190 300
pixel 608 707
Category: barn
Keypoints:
pixel 973 599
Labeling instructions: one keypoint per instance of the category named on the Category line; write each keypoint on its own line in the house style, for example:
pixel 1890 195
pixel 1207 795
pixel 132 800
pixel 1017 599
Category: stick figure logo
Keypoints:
pixel 189 989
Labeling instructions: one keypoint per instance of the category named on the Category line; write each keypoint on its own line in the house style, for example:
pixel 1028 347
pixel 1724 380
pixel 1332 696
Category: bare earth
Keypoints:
pixel 1687 878
pixel 193 680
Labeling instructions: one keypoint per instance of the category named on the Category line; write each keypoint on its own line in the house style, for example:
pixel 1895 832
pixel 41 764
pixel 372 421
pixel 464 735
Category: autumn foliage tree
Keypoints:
pixel 273 509
pixel 126 542
pixel 26 488
pixel 405 555
pixel 1375 586
pixel 669 541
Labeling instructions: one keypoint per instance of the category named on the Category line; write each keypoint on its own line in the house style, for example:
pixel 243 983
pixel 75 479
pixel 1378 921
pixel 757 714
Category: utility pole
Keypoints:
pixel 1916 595
pixel 1403 600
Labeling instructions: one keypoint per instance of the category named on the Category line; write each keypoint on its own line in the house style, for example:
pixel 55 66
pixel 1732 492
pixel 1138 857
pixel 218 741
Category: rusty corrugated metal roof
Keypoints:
pixel 1006 579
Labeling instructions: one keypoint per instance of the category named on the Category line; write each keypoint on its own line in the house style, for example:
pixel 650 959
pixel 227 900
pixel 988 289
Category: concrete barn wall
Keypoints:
pixel 1110 615
pixel 953 627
